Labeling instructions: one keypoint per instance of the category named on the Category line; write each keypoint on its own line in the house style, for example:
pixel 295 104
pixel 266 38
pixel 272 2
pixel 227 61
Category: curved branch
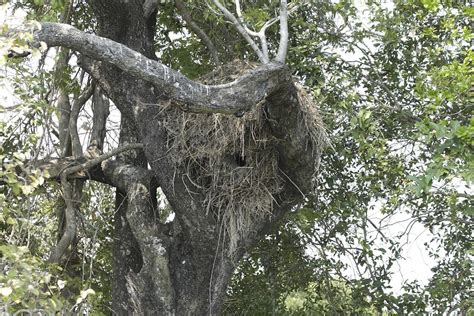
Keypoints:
pixel 285 11
pixel 70 221
pixel 199 32
pixel 238 9
pixel 75 109
pixel 261 34
pixel 230 98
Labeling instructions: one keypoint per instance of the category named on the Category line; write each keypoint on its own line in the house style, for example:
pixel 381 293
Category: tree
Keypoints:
pixel 185 266
pixel 229 178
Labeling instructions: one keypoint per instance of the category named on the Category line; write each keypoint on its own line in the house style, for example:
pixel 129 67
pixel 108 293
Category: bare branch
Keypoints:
pixel 199 31
pixel 283 47
pixel 241 29
pixel 261 34
pixel 285 11
pixel 238 10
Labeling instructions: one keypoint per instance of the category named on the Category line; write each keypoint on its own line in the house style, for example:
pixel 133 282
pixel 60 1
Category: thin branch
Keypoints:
pixel 283 47
pixel 261 34
pixel 93 162
pixel 238 10
pixel 66 14
pixel 241 29
pixel 199 31
pixel 75 110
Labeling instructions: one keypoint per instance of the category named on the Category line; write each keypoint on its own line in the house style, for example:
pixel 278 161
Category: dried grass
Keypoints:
pixel 211 150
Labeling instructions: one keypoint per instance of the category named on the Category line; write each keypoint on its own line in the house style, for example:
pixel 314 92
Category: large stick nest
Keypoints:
pixel 233 160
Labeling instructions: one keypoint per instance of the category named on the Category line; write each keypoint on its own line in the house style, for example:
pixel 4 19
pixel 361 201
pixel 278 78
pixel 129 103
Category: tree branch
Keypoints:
pixel 230 98
pixel 68 192
pixel 70 221
pixel 261 34
pixel 64 113
pixel 284 13
pixel 283 47
pixel 75 110
pixel 100 112
pixel 241 29
pixel 122 175
pixel 199 32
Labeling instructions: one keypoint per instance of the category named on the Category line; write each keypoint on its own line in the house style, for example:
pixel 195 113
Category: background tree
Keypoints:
pixel 401 138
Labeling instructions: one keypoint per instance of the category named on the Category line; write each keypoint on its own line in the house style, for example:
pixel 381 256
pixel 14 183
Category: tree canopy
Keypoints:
pixel 392 81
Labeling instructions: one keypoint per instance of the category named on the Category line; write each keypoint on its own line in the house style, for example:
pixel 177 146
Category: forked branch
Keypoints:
pixel 241 29
pixel 261 34
pixel 246 32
